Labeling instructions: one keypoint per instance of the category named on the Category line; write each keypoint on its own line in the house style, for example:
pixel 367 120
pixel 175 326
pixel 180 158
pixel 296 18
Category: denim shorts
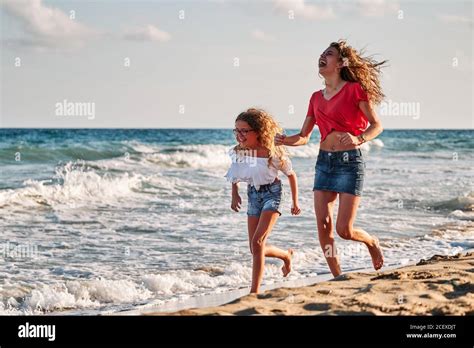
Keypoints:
pixel 268 197
pixel 340 171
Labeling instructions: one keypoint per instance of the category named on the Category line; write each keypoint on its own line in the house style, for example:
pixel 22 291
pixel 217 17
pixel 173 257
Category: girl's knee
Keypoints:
pixel 257 246
pixel 324 222
pixel 345 231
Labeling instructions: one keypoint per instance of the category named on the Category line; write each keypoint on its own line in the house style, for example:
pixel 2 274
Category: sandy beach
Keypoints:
pixel 441 285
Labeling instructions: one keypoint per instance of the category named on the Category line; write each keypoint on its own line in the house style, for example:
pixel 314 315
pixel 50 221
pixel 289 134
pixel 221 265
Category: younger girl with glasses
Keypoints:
pixel 256 161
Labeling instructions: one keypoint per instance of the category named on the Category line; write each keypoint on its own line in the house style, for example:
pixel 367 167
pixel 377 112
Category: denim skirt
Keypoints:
pixel 340 171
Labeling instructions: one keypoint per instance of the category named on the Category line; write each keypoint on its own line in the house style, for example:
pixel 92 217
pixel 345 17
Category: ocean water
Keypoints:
pixel 100 221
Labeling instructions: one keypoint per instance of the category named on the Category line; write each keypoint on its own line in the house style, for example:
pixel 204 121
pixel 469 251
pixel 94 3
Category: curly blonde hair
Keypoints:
pixel 266 127
pixel 364 70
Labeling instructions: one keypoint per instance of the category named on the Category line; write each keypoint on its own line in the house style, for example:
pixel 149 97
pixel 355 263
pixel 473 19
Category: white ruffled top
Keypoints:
pixel 255 170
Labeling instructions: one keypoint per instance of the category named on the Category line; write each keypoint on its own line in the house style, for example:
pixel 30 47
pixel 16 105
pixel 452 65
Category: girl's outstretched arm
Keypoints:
pixel 301 138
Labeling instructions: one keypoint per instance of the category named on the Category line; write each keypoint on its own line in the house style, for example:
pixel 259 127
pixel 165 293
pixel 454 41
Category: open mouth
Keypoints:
pixel 241 139
pixel 322 63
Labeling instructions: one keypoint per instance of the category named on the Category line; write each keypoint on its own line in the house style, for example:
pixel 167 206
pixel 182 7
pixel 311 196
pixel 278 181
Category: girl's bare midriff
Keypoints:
pixel 332 143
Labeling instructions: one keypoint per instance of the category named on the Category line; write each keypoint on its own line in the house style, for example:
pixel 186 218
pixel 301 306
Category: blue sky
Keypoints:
pixel 182 72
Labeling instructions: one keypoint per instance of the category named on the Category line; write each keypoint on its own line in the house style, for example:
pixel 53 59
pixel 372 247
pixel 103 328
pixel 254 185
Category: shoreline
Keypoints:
pixel 440 285
pixel 222 298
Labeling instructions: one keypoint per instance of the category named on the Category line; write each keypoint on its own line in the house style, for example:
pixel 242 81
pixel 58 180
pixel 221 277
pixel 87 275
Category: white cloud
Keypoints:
pixel 46 26
pixel 364 8
pixel 262 36
pixel 147 33
pixel 303 10
pixel 446 18
pixel 376 8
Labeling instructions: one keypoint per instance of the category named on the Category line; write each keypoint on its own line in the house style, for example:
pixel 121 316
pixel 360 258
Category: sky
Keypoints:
pixel 198 64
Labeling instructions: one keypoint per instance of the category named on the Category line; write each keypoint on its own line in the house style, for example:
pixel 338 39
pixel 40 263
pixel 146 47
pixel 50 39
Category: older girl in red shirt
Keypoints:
pixel 343 111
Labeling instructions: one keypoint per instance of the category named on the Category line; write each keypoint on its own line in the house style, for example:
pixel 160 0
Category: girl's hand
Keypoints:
pixel 295 209
pixel 236 202
pixel 279 139
pixel 348 139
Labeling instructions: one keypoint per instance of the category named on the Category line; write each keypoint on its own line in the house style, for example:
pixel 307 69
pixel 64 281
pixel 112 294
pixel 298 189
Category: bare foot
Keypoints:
pixel 287 266
pixel 376 254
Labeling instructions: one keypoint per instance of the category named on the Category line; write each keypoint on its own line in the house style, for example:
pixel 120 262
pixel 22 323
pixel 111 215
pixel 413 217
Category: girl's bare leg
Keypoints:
pixel 346 214
pixel 324 208
pixel 259 249
pixel 270 250
pixel 285 256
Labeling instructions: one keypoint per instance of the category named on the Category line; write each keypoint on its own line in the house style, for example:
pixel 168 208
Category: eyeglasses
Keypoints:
pixel 242 131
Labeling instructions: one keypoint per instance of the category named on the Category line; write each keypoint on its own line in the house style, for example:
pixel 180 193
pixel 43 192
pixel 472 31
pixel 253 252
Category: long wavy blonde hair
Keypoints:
pixel 364 70
pixel 266 127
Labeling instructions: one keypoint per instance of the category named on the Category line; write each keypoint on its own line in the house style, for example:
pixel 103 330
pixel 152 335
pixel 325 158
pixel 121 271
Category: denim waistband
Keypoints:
pixel 265 187
pixel 339 154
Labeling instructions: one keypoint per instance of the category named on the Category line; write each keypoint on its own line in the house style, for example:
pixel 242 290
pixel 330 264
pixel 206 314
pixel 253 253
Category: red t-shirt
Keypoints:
pixel 341 112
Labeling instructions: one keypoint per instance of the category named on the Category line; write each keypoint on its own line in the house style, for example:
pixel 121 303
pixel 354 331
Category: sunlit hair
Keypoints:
pixel 266 128
pixel 364 70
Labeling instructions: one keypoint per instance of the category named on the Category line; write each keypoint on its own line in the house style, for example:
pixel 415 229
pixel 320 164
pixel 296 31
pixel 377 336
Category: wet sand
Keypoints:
pixel 441 285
